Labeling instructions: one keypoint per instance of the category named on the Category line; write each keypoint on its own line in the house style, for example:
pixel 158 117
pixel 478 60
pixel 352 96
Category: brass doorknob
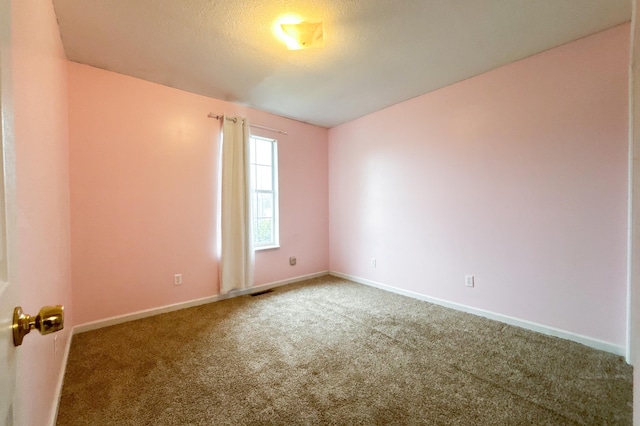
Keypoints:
pixel 49 320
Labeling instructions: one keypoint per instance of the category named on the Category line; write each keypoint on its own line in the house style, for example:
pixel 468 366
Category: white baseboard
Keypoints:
pixel 60 381
pixel 529 325
pixel 94 325
pixel 551 331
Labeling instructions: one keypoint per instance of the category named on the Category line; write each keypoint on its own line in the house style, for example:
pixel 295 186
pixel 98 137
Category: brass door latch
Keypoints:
pixel 49 320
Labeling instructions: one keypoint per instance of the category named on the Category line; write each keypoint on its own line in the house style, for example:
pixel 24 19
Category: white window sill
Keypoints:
pixel 266 248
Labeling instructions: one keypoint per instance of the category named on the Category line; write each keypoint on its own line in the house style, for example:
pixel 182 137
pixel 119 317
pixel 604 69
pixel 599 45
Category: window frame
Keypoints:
pixel 275 242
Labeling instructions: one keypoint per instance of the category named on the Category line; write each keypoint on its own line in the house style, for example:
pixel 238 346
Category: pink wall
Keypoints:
pixel 42 197
pixel 143 168
pixel 517 176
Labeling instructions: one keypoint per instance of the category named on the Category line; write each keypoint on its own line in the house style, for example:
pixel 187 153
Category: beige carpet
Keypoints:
pixel 329 351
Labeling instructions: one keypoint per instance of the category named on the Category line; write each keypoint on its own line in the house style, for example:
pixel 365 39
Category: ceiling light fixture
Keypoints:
pixel 298 34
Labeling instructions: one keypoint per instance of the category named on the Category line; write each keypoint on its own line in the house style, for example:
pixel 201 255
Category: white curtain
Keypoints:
pixel 236 241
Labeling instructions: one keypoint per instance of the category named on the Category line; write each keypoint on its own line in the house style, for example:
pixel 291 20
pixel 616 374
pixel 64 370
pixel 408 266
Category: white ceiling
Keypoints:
pixel 377 52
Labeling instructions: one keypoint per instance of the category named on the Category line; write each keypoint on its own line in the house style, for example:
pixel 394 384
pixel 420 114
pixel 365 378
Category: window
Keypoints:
pixel 264 191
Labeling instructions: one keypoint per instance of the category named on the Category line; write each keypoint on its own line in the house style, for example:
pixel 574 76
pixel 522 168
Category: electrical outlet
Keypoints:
pixel 373 262
pixel 292 261
pixel 177 279
pixel 469 281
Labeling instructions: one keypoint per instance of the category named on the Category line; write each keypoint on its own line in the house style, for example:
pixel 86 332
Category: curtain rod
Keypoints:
pixel 257 126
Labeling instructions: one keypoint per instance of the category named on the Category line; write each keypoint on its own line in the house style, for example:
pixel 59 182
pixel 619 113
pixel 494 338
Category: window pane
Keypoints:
pixel 252 181
pixel 264 231
pixel 254 223
pixel 264 178
pixel 265 205
pixel 264 196
pixel 252 149
pixel 254 205
pixel 263 152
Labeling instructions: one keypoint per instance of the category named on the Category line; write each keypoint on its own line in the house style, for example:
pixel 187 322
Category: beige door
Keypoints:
pixel 8 290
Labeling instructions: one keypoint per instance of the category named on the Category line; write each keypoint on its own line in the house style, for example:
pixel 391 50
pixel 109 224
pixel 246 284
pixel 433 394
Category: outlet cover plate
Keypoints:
pixel 469 281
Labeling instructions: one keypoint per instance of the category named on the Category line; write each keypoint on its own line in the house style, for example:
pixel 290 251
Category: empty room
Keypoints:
pixel 319 212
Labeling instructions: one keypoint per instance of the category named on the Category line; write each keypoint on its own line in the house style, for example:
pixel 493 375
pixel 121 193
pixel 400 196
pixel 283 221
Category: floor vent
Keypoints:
pixel 260 293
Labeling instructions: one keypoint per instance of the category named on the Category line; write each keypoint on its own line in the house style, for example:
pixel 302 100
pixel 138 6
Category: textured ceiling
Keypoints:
pixel 377 52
